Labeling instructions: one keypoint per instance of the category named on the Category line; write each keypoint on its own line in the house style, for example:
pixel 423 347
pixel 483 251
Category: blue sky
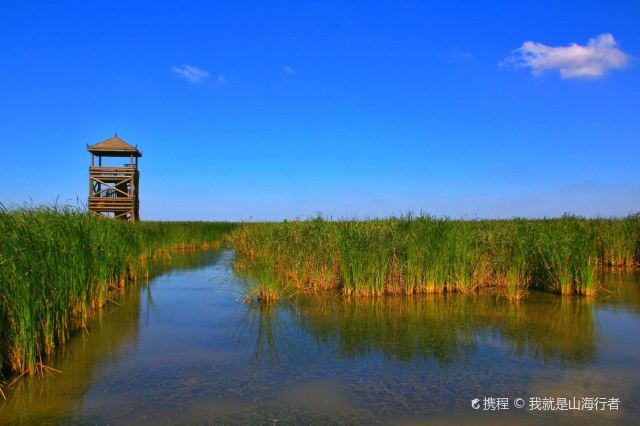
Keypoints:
pixel 255 110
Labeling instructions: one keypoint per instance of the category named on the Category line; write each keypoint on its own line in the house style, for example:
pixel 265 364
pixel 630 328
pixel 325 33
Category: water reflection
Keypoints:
pixel 263 328
pixel 443 327
pixel 621 290
pixel 185 261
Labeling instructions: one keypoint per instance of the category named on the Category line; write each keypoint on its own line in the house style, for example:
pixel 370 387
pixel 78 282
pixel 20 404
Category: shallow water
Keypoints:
pixel 185 349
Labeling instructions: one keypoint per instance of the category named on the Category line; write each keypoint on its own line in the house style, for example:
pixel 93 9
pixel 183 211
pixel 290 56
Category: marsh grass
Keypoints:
pixel 58 266
pixel 423 254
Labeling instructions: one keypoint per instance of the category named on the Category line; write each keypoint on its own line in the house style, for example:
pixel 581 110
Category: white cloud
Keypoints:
pixel 592 60
pixel 288 70
pixel 190 73
pixel 221 78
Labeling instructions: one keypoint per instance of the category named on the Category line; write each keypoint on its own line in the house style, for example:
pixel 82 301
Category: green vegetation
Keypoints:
pixel 58 265
pixel 423 254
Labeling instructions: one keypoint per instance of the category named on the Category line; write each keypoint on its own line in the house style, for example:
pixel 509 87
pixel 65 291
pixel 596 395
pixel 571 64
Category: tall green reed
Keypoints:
pixel 57 265
pixel 430 255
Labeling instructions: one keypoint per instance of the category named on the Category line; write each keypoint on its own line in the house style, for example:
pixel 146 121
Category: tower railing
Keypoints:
pixel 113 191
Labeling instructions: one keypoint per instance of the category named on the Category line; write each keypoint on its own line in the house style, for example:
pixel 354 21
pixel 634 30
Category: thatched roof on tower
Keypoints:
pixel 114 147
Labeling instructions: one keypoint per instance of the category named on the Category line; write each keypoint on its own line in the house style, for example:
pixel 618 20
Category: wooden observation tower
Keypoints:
pixel 113 189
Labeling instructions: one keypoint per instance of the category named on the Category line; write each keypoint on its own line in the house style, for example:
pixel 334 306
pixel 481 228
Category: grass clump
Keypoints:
pixel 423 254
pixel 57 265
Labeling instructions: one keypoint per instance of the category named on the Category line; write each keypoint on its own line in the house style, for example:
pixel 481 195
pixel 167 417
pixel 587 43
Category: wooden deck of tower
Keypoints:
pixel 114 190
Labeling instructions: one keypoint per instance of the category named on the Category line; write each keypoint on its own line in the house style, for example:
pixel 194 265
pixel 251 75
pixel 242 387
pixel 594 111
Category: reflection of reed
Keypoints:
pixel 622 289
pixel 262 324
pixel 552 329
pixel 185 261
pixel 446 327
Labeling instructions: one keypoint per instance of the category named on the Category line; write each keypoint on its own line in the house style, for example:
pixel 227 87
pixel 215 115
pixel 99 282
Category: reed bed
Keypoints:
pixel 58 265
pixel 423 254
